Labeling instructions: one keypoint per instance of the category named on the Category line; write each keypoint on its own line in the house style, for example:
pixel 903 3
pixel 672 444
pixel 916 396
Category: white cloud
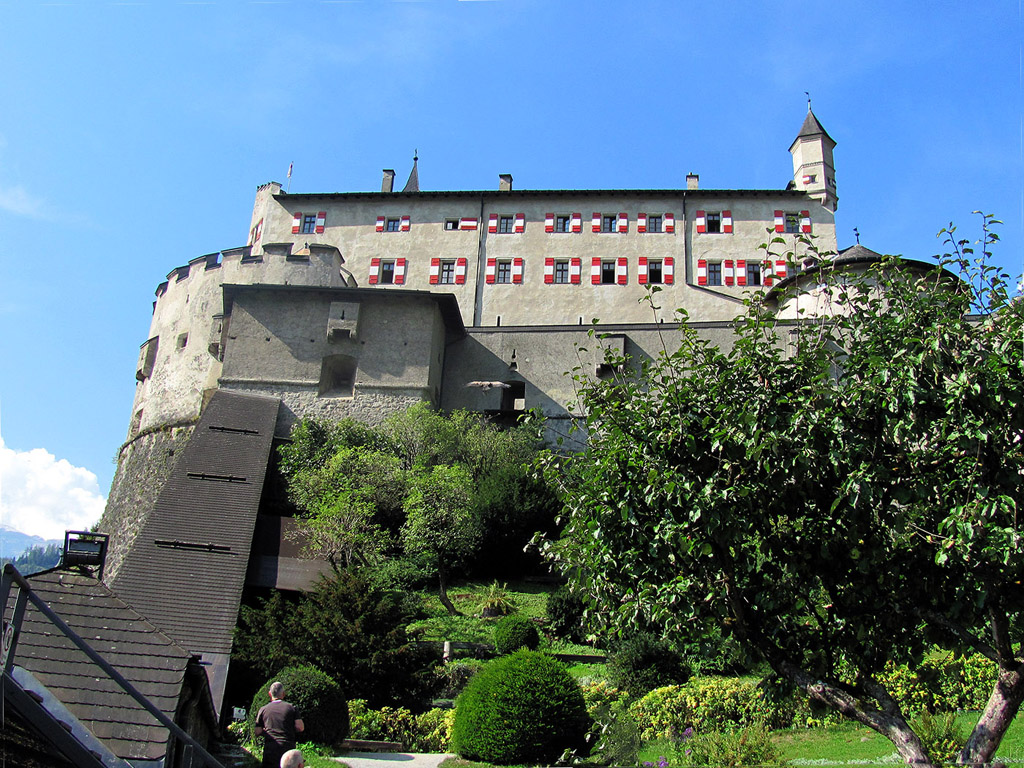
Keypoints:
pixel 42 495
pixel 17 200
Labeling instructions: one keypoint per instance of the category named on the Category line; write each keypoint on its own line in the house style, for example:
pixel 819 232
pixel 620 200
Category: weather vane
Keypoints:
pixel 856 233
pixel 808 95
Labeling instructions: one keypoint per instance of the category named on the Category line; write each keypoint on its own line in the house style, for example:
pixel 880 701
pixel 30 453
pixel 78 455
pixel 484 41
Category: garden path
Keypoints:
pixel 392 759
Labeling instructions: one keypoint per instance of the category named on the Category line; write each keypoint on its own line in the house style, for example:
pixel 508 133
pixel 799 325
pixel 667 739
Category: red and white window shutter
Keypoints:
pixel 435 271
pixel 641 222
pixel 467 223
pixel 727 222
pixel 766 273
pixel 400 271
pixel 668 270
pixel 380 223
pixel 460 271
pixel 406 223
pixel 520 223
pixel 492 223
pixel 577 222
pixel 669 223
pixel 805 222
pixel 623 223
pixel 727 269
pixel 641 264
pixel 549 222
pixel 780 221
pixel 321 222
pixel 296 222
pixel 575 270
pixel 780 269
pixel 596 221
pixel 549 269
pixel 622 270
pixel 595 270
pixel 702 222
pixel 517 270
pixel 702 272
pixel 490 270
pixel 374 271
pixel 741 272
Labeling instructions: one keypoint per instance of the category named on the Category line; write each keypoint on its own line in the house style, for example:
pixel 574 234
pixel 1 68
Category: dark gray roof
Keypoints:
pixel 857 252
pixel 186 568
pixel 413 184
pixel 812 127
pixel 144 655
pixel 489 194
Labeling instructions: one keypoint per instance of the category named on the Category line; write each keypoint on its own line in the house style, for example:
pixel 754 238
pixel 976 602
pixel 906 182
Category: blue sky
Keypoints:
pixel 133 136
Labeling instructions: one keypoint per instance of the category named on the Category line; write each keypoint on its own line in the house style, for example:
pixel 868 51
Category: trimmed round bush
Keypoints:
pixel 565 615
pixel 318 698
pixel 514 632
pixel 643 662
pixel 523 708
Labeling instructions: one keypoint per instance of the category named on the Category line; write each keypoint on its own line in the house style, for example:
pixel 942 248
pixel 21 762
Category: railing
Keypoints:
pixel 193 755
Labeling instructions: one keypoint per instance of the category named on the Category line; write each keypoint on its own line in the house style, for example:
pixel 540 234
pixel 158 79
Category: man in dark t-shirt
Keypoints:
pixel 278 722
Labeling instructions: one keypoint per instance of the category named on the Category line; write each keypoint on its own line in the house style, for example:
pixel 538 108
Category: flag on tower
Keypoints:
pixel 290 169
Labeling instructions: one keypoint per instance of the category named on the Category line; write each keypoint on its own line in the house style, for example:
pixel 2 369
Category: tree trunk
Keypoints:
pixel 1000 711
pixel 890 724
pixel 442 577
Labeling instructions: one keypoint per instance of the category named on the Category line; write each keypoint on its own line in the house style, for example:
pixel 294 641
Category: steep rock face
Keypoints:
pixel 143 466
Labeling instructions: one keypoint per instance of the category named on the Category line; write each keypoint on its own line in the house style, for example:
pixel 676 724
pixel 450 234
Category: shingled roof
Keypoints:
pixel 144 655
pixel 186 568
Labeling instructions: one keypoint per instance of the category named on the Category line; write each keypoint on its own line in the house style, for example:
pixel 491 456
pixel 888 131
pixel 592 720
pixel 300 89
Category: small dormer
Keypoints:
pixel 813 167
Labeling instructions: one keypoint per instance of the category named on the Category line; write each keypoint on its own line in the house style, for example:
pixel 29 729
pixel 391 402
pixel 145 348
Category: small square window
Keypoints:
pixel 309 224
pixel 753 273
pixel 714 273
pixel 561 271
pixel 393 225
pixel 607 273
pixel 608 223
pixel 506 225
pixel 792 222
pixel 451 224
pixel 447 272
pixel 563 224
pixel 654 223
pixel 714 222
pixel 654 271
pixel 504 272
pixel 387 272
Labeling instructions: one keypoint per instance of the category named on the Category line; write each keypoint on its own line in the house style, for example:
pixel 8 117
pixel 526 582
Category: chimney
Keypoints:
pixel 504 182
pixel 388 183
pixel 692 180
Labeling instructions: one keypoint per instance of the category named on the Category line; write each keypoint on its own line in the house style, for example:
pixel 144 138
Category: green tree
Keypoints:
pixel 346 627
pixel 440 523
pixel 836 492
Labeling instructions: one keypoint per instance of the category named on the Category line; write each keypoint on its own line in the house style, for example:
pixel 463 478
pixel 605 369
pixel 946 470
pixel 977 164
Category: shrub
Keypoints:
pixel 709 704
pixel 318 698
pixel 750 746
pixel 614 736
pixel 941 683
pixel 497 602
pixel 643 662
pixel 565 615
pixel 514 632
pixel 427 732
pixel 455 676
pixel 940 735
pixel 521 708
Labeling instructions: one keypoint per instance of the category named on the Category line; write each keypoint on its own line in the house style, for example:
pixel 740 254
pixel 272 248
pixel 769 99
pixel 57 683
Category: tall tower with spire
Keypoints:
pixel 813 168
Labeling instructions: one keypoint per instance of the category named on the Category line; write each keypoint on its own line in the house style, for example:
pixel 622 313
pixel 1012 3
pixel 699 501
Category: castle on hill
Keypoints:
pixel 360 304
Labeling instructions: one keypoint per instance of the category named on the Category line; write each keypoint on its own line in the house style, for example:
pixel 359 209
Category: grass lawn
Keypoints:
pixel 850 743
pixel 530 601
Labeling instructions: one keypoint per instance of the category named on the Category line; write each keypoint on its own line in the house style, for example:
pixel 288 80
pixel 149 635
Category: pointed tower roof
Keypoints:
pixel 413 184
pixel 812 127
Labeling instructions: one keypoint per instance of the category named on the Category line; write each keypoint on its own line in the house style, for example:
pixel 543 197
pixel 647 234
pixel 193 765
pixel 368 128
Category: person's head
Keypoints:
pixel 276 690
pixel 292 759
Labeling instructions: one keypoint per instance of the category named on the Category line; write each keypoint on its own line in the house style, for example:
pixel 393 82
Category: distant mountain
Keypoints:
pixel 14 543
